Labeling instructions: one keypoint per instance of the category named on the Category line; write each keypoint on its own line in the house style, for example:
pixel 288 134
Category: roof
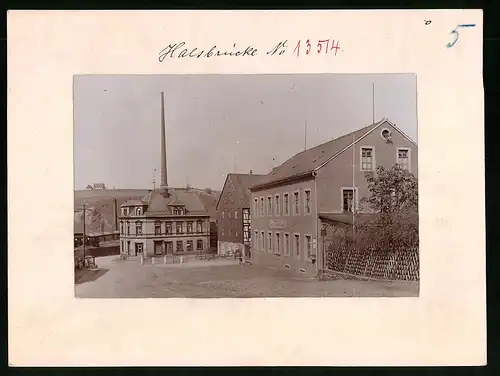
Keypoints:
pixel 99 185
pixel 132 203
pixel 346 218
pixel 158 203
pixel 307 162
pixel 242 183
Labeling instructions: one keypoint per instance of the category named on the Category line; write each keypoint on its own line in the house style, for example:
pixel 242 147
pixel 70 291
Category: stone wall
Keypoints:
pixel 400 264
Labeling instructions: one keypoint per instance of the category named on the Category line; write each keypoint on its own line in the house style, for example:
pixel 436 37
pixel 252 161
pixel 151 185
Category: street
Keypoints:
pixel 220 279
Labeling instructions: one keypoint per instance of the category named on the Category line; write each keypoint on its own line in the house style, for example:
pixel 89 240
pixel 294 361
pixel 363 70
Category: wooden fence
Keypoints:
pixel 398 264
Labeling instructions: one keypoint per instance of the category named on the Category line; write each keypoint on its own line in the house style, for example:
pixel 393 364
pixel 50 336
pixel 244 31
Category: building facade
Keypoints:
pixel 167 220
pixel 234 218
pixel 325 180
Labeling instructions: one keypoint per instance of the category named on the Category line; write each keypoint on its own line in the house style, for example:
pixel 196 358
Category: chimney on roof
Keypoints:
pixel 163 182
pixel 251 172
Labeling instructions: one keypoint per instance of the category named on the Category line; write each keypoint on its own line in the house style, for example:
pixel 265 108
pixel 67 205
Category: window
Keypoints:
pixel 168 228
pixel 285 203
pixel 189 227
pixel 277 205
pixel 121 227
pixel 122 246
pixel 255 240
pixel 199 227
pixel 236 214
pixel 157 228
pixel 297 244
pixel 277 248
pixel 222 232
pixel 138 211
pixel 189 245
pixel 307 202
pixel 269 241
pixel 269 206
pixel 229 215
pixel 222 215
pixel 256 207
pixel 199 245
pixel 179 246
pixel 262 206
pixel 128 228
pixel 125 211
pixel 308 245
pixel 138 228
pixel 236 233
pixel 347 200
pixel 178 227
pixel 296 201
pixel 230 232
pixel 128 246
pixel 404 158
pixel 262 246
pixel 367 159
pixel 287 244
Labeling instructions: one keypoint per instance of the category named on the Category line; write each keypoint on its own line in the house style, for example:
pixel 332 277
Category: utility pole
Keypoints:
pixel 84 209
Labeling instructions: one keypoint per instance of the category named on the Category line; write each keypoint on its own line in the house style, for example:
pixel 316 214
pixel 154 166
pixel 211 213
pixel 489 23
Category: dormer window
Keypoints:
pixel 125 211
pixel 138 211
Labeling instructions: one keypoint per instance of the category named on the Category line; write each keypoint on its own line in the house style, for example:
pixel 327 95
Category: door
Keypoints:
pixel 158 248
pixel 170 248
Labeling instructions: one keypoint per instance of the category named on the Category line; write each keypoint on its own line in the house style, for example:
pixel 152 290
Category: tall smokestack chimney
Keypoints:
pixel 164 181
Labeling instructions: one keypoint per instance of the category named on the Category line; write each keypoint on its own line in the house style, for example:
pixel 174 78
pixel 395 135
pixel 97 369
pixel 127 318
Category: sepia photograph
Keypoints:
pixel 246 186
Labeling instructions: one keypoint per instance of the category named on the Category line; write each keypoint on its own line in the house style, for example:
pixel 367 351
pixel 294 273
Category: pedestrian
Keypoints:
pixel 240 257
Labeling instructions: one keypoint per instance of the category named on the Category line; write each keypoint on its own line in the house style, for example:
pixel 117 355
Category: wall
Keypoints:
pixel 338 172
pixel 230 224
pixel 302 224
pixel 148 234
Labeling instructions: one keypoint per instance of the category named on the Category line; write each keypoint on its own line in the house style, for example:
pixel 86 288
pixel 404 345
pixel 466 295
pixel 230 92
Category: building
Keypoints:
pixel 321 182
pixel 167 220
pixel 233 208
pixel 98 186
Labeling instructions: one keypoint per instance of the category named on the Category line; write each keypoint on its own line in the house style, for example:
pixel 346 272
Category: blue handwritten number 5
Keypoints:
pixel 455 34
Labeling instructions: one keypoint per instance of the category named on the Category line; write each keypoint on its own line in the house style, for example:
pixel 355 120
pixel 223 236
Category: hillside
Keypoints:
pixel 99 217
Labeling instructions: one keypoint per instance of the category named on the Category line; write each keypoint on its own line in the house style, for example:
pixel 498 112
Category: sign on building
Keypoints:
pixel 277 223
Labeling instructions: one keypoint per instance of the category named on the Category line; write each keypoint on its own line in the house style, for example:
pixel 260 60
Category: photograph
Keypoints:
pixel 246 185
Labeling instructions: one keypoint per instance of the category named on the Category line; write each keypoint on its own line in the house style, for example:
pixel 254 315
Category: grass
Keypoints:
pixel 225 279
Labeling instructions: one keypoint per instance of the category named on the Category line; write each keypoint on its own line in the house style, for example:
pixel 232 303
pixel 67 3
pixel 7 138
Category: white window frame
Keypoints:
pixel 287 205
pixel 269 242
pixel 256 240
pixel 262 241
pixel 305 245
pixel 222 231
pixel 269 210
pixel 236 214
pixel 222 214
pixel 294 244
pixel 256 206
pixel 355 195
pixel 277 209
pixel 304 201
pixel 361 158
pixel 262 207
pixel 293 203
pixel 409 156
pixel 277 247
pixel 286 251
pixel 138 211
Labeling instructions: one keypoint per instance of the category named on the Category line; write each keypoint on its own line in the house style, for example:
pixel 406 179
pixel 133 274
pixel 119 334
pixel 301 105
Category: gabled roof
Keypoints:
pixel 307 162
pixel 242 183
pixel 132 203
pixel 158 204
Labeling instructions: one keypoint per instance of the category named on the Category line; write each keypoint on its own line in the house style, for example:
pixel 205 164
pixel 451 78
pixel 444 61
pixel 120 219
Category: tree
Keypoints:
pixel 394 195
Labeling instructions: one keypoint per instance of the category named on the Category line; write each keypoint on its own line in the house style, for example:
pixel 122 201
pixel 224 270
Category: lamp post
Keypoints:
pixel 84 209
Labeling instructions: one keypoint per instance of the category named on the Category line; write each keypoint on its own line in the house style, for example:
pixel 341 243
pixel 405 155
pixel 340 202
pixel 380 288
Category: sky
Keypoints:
pixel 217 124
